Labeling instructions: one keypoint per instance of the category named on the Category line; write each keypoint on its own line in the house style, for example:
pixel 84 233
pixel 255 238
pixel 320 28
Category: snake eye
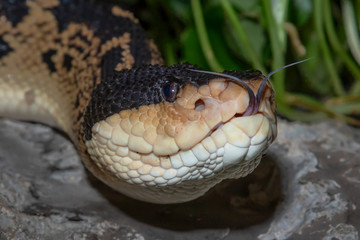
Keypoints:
pixel 170 90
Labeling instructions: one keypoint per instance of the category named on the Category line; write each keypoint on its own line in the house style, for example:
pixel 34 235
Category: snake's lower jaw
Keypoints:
pixel 233 150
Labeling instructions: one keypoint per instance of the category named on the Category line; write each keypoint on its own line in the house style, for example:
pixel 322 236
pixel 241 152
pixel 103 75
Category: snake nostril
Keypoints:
pixel 199 105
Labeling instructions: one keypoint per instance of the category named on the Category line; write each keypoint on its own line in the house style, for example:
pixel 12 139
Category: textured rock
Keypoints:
pixel 307 187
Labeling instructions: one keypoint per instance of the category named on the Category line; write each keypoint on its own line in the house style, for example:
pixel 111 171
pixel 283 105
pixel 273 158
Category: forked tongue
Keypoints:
pixel 254 102
pixel 260 91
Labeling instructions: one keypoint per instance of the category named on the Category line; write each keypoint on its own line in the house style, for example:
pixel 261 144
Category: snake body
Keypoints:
pixel 155 133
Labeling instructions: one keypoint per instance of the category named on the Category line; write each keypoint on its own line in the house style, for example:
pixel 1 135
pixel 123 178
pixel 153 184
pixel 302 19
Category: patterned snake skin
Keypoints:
pixel 155 133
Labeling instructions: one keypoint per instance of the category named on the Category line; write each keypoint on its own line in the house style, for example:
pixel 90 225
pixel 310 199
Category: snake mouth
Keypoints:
pixel 265 108
pixel 218 126
pixel 207 108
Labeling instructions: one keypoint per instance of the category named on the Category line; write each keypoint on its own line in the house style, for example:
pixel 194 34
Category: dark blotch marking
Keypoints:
pixel 67 62
pixel 5 49
pixel 14 10
pixel 78 48
pixel 77 102
pixel 80 115
pixel 109 61
pixel 47 59
pixel 98 17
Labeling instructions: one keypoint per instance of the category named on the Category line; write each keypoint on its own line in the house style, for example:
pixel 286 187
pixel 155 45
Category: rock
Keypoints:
pixel 307 187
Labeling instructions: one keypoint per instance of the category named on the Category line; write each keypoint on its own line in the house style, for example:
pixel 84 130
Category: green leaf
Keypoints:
pixel 221 51
pixel 191 50
pixel 182 10
pixel 316 77
pixel 255 33
pixel 279 11
pixel 244 5
pixel 301 11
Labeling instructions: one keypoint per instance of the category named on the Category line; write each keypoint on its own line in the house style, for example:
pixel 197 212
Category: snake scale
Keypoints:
pixel 161 134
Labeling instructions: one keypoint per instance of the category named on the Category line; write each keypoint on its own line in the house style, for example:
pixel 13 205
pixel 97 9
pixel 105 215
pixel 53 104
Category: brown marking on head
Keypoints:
pixel 127 58
pixel 117 11
pixel 48 3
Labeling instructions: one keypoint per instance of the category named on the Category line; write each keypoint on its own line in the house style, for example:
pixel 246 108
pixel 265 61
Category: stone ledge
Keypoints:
pixel 307 187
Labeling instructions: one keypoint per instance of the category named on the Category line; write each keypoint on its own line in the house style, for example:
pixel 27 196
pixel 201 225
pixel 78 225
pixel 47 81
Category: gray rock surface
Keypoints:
pixel 307 187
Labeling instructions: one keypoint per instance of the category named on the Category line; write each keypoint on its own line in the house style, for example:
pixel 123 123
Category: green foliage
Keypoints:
pixel 268 34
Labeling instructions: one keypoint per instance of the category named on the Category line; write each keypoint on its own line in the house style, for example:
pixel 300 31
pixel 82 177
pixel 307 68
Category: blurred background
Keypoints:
pixel 222 35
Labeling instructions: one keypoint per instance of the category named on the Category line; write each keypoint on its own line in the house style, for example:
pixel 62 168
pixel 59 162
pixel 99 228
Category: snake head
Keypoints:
pixel 168 134
pixel 221 108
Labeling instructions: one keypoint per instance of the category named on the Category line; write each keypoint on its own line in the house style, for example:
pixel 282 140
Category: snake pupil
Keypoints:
pixel 170 90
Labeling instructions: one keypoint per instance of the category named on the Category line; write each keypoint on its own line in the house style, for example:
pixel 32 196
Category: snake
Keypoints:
pixel 156 133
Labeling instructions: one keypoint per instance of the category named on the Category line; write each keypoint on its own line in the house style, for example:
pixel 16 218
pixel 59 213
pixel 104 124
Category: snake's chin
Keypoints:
pixel 246 138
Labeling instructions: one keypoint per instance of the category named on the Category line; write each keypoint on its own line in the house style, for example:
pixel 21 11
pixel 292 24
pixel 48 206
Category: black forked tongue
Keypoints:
pixel 260 91
pixel 254 102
